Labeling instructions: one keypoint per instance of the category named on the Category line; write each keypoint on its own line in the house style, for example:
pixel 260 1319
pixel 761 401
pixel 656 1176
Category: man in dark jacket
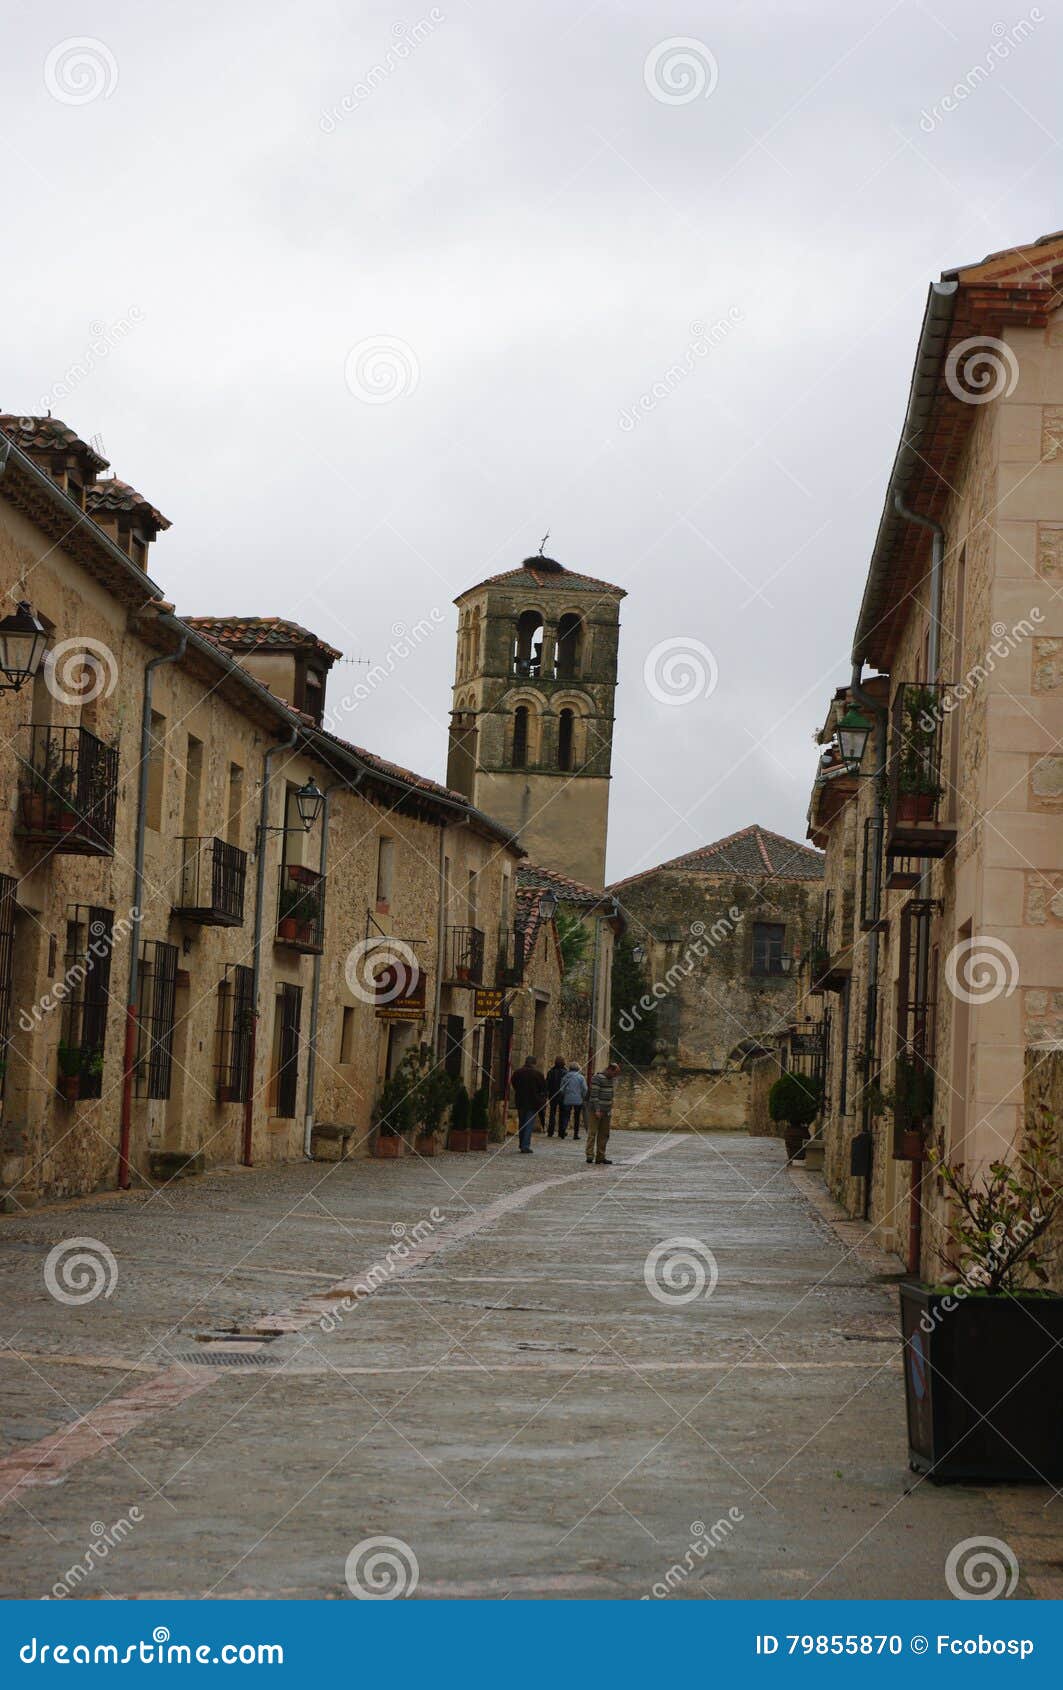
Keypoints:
pixel 600 1107
pixel 554 1077
pixel 529 1095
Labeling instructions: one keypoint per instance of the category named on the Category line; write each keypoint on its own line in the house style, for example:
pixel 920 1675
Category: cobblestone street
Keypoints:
pixel 511 1401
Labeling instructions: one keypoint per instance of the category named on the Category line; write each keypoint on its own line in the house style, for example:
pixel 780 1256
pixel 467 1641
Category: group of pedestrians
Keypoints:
pixel 561 1097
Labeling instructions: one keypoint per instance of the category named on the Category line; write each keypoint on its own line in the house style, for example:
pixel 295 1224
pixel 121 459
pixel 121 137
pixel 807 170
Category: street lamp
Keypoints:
pixel 638 953
pixel 22 643
pixel 308 801
pixel 853 732
pixel 548 905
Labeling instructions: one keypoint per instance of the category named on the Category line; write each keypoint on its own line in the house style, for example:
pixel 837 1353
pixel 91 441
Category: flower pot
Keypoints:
pixel 70 1087
pixel 458 1138
pixel 288 929
pixel 915 806
pixel 389 1146
pixel 62 819
pixel 34 811
pixel 425 1144
pixel 477 1138
pixel 229 1094
pixel 983 1380
pixel 794 1139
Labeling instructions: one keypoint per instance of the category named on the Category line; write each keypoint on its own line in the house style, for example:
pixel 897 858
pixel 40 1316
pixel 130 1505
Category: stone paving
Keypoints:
pixel 469 1355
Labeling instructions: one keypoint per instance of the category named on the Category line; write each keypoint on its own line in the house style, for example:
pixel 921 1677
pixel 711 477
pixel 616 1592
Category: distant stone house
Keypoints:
pixel 723 929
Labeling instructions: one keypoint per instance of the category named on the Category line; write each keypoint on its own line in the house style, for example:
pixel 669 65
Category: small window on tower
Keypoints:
pixel 564 739
pixel 520 736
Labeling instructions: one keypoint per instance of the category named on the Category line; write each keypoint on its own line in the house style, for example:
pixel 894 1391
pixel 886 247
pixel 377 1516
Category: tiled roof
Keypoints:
pixel 116 495
pixel 258 633
pixel 754 851
pixel 48 434
pixel 531 875
pixel 545 572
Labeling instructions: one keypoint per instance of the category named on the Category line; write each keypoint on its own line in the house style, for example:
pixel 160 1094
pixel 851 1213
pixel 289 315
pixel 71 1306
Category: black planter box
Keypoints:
pixel 983 1379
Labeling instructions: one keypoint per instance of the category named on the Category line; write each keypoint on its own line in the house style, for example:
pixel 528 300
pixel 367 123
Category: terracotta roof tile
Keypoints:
pixel 116 495
pixel 49 434
pixel 258 633
pixel 751 853
pixel 532 875
pixel 545 572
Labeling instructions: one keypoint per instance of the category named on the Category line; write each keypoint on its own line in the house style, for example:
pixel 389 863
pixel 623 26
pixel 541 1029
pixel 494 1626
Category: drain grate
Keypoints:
pixel 225 1358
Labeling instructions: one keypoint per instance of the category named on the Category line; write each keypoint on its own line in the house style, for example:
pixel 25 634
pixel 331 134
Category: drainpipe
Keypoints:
pixel 441 937
pixel 129 1055
pixel 592 1037
pixel 879 714
pixel 315 990
pixel 937 555
pixel 256 953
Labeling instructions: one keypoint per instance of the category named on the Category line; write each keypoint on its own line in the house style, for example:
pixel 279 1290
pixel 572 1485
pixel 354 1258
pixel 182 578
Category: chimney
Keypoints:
pixel 125 516
pixel 57 450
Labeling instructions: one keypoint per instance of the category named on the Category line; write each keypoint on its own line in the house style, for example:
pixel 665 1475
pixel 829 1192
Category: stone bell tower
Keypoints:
pixel 531 730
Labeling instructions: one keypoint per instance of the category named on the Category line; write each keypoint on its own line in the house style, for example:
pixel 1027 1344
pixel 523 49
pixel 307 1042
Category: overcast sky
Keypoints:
pixel 533 212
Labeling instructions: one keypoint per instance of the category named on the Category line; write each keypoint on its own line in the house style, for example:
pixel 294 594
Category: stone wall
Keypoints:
pixel 682 1099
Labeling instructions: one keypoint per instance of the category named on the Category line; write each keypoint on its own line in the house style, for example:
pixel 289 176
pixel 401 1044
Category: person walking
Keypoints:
pixel 554 1077
pixel 529 1095
pixel 600 1105
pixel 573 1095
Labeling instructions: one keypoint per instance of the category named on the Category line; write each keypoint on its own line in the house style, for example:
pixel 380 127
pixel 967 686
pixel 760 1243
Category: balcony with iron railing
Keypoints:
pixel 68 790
pixel 211 888
pixel 510 970
pixel 301 909
pixel 463 962
pixel 916 803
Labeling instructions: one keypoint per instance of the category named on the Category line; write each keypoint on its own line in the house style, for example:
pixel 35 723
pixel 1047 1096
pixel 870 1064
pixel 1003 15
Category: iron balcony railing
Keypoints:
pixel 213 876
pixel 68 790
pixel 914 773
pixel 464 961
pixel 510 956
pixel 301 908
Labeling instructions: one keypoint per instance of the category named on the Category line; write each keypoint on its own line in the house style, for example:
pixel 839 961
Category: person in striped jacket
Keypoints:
pixel 600 1113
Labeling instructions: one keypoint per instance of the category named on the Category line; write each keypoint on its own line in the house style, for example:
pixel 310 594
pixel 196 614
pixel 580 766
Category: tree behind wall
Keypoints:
pixel 634 1029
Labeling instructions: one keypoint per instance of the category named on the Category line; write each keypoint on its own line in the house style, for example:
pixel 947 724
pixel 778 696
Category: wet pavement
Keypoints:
pixel 676 1376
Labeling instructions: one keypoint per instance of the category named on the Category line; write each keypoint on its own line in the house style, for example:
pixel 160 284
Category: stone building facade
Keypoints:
pixel 532 719
pixel 189 975
pixel 941 953
pixel 723 930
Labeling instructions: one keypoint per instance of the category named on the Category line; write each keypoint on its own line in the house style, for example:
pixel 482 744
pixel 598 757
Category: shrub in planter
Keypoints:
pixel 795 1101
pixel 984 1355
pixel 478 1127
pixel 69 1072
pixel 458 1138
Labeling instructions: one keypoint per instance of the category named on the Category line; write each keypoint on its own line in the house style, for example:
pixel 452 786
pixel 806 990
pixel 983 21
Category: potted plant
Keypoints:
pixel 794 1101
pixel 433 1091
pixel 69 1072
pixel 478 1127
pixel 983 1355
pixel 40 783
pixel 912 1102
pixel 918 788
pixel 296 914
pixel 458 1138
pixel 393 1112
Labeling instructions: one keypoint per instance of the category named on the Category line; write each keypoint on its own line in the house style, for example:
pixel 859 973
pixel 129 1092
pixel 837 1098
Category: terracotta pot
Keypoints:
pixel 425 1144
pixel 915 807
pixel 458 1140
pixel 62 819
pixel 794 1139
pixel 228 1094
pixel 388 1147
pixel 477 1138
pixel 287 928
pixel 34 811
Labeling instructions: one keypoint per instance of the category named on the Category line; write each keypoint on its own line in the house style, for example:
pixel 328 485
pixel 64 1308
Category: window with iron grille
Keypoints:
pixel 155 1017
pixel 916 1016
pixel 236 1014
pixel 8 885
pixel 289 1011
pixel 87 977
pixel 768 938
pixel 871 874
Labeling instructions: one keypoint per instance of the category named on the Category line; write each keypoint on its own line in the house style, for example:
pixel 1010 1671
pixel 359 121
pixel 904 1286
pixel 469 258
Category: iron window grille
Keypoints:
pixel 871 874
pixel 913 1087
pixel 8 887
pixel 87 977
pixel 213 875
pixel 510 956
pixel 236 1016
pixel 465 955
pixel 289 1008
pixel 155 1017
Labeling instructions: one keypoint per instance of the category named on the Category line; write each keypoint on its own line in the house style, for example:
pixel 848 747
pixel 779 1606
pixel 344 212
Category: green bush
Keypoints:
pixel 459 1111
pixel 478 1112
pixel 795 1099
